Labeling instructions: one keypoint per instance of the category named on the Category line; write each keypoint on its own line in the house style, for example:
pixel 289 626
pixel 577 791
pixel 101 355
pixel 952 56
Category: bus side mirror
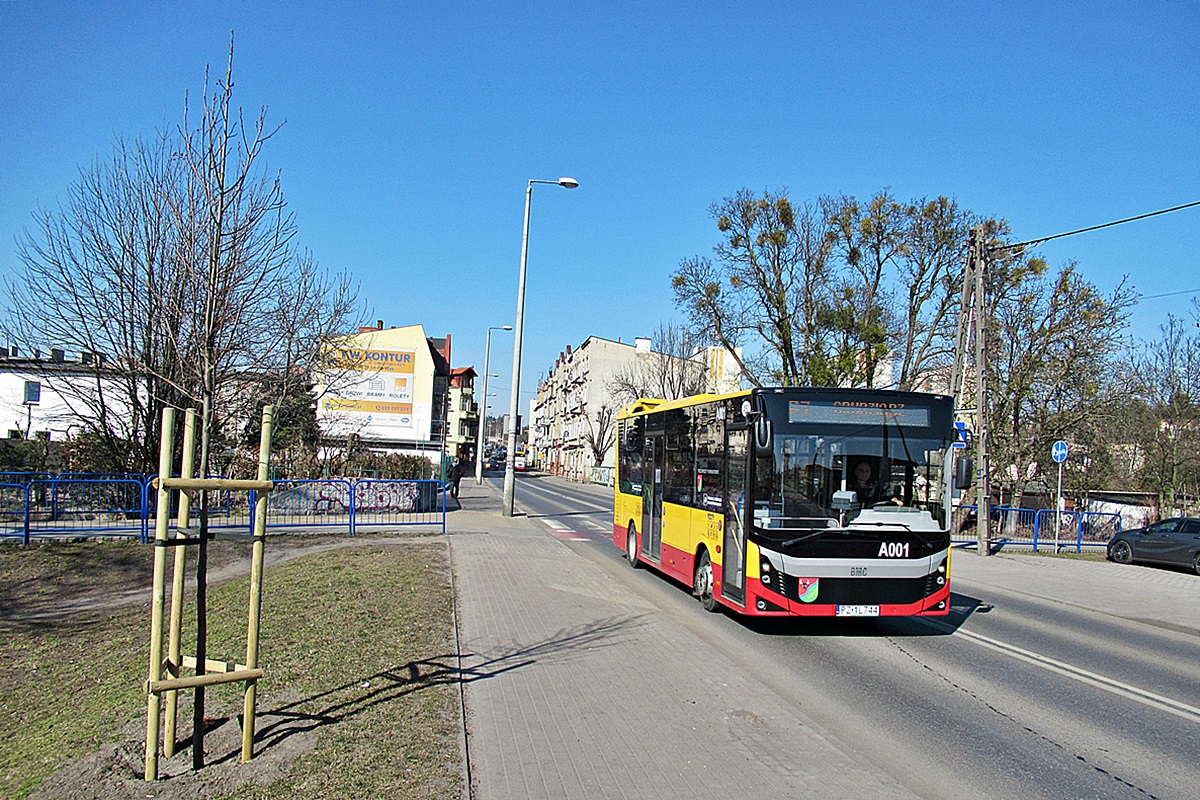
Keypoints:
pixel 964 472
pixel 764 437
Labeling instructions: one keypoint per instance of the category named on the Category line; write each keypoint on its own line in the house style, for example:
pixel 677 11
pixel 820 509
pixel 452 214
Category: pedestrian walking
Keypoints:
pixel 454 476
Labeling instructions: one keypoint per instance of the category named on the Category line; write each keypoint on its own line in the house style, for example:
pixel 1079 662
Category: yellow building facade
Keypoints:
pixel 387 387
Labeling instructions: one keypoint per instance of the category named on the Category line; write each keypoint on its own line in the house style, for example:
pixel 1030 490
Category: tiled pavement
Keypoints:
pixel 578 688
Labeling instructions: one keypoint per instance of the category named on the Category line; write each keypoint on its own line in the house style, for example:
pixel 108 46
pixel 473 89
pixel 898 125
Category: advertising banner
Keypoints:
pixel 377 394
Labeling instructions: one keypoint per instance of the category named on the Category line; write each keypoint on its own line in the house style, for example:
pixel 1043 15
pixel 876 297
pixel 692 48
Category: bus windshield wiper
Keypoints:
pixel 803 538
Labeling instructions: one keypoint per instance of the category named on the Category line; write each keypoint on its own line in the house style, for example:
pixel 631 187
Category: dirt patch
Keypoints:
pixel 117 769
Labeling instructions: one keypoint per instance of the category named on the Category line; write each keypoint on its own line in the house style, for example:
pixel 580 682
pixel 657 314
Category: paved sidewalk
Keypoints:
pixel 1160 596
pixel 576 688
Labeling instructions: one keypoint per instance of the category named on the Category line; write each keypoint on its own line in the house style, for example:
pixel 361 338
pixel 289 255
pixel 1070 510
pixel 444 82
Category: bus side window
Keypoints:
pixel 680 479
pixel 631 455
pixel 710 460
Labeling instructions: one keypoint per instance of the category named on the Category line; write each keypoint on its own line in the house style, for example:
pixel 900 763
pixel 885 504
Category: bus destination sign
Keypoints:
pixel 856 412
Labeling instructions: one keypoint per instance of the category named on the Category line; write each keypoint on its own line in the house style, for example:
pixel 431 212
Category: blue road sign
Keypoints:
pixel 961 429
pixel 1059 451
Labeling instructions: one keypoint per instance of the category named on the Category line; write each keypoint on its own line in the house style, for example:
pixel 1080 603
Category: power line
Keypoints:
pixel 1044 239
pixel 1167 294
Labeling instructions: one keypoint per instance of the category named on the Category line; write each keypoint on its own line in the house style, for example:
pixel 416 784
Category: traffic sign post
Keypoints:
pixel 1059 453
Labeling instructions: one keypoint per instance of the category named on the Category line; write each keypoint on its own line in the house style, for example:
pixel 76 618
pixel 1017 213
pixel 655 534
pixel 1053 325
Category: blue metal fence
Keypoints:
pixel 12 510
pixel 78 505
pixel 310 503
pixel 393 502
pixel 1039 529
pixel 104 507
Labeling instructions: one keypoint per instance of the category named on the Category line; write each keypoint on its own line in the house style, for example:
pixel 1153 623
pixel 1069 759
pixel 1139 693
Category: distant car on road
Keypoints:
pixel 519 463
pixel 1174 541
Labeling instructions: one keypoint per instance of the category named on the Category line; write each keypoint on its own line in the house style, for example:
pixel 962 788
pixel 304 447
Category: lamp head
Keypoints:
pixel 569 183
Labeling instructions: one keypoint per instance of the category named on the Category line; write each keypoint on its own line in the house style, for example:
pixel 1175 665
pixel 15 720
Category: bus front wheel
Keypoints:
pixel 703 584
pixel 631 546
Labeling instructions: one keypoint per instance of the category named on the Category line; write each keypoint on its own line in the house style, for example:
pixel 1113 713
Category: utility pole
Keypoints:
pixel 972 322
pixel 983 511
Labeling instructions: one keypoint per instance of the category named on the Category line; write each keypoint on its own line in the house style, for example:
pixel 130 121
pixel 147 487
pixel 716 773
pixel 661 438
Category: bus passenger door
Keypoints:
pixel 652 497
pixel 733 570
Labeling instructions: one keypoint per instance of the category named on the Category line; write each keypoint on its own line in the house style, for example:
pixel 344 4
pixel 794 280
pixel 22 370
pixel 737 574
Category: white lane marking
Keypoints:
pixel 571 498
pixel 554 524
pixel 1142 696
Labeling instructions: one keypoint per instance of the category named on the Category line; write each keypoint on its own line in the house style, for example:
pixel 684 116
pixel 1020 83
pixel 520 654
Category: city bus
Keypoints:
pixel 793 501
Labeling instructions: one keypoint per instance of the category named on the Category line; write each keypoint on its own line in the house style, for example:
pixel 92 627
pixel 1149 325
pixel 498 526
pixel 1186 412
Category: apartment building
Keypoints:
pixel 462 415
pixel 394 389
pixel 572 425
pixel 44 394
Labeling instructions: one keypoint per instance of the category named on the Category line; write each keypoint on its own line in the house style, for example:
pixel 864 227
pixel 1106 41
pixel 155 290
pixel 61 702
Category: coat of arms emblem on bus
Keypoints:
pixel 807 589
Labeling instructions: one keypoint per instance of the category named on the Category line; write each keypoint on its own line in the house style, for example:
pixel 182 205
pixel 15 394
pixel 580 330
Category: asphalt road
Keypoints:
pixel 1011 696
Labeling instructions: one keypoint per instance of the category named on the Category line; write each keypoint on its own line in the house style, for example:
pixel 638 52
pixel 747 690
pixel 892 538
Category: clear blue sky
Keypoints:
pixel 412 128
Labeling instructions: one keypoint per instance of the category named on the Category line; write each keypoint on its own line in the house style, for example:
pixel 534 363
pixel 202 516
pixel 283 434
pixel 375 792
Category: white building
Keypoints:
pixel 573 417
pixel 46 397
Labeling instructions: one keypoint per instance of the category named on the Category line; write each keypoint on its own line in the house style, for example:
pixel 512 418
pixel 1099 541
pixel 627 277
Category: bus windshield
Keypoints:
pixel 867 457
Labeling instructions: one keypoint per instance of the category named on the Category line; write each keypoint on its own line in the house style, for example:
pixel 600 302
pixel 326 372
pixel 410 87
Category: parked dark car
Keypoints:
pixel 1174 541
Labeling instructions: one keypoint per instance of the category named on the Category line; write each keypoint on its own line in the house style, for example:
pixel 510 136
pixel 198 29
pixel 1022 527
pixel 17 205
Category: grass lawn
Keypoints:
pixel 360 696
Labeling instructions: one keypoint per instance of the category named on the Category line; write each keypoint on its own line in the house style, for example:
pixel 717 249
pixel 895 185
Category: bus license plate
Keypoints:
pixel 857 611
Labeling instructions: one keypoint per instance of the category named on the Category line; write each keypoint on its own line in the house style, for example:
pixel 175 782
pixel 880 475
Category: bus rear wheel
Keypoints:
pixel 702 586
pixel 631 546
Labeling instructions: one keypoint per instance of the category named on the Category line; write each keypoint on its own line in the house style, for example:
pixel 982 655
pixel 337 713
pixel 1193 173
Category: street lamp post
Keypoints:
pixel 487 354
pixel 515 401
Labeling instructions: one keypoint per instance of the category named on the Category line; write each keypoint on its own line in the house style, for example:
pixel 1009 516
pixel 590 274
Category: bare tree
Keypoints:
pixel 768 284
pixel 929 283
pixel 871 238
pixel 601 433
pixel 97 280
pixel 178 260
pixel 1168 370
pixel 1051 342
pixel 668 372
pixel 830 289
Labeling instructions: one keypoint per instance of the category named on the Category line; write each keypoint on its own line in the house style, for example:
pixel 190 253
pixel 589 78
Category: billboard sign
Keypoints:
pixel 378 393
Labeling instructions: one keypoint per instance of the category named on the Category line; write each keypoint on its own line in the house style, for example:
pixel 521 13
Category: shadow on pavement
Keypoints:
pixel 353 698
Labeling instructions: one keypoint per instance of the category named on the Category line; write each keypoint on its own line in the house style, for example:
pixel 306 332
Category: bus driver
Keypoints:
pixel 864 484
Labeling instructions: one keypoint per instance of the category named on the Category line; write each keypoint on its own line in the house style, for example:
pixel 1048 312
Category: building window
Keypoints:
pixel 33 392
